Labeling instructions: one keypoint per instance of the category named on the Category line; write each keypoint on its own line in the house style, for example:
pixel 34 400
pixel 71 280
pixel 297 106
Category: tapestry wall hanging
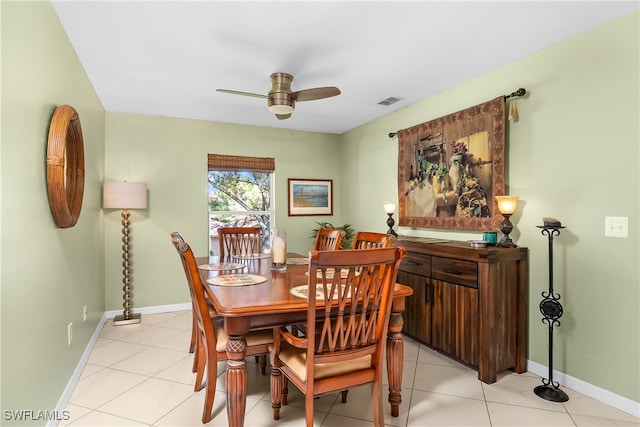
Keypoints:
pixel 451 168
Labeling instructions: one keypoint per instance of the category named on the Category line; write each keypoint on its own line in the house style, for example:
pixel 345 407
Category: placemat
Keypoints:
pixel 250 256
pixel 302 291
pixel 222 266
pixel 329 273
pixel 236 280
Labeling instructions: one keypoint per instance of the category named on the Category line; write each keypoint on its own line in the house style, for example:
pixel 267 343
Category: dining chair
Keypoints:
pixel 370 240
pixel 362 240
pixel 194 324
pixel 347 322
pixel 239 241
pixel 211 339
pixel 328 239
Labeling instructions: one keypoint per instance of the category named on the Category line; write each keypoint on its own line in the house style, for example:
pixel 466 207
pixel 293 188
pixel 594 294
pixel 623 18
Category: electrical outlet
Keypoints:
pixel 84 313
pixel 616 226
pixel 69 333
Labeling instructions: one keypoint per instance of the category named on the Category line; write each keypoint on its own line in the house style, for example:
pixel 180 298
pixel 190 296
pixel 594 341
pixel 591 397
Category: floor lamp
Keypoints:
pixel 125 196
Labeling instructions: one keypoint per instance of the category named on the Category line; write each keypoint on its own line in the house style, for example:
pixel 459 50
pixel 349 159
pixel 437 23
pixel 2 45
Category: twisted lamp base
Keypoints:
pixel 126 318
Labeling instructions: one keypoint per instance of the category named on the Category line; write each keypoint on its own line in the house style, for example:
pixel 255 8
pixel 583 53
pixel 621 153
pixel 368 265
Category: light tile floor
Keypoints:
pixel 140 375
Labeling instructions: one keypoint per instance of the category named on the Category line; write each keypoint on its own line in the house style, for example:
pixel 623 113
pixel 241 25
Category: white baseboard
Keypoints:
pixel 152 310
pixel 73 381
pixel 583 387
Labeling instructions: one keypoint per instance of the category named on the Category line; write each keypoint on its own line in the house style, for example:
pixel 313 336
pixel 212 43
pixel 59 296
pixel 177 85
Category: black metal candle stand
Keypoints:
pixel 551 310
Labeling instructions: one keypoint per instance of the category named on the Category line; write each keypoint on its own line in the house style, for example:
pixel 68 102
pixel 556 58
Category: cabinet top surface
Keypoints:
pixel 459 249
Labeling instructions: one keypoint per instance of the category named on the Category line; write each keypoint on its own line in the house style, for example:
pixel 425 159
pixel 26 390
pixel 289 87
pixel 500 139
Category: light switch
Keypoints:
pixel 616 226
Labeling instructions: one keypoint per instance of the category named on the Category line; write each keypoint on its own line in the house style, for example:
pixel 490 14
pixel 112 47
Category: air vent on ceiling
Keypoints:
pixel 389 100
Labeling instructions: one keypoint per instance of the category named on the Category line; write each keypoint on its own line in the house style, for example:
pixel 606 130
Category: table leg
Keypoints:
pixel 236 378
pixel 395 358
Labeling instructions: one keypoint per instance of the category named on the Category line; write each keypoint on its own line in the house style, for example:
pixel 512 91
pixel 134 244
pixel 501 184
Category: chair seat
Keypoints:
pixel 253 338
pixel 296 359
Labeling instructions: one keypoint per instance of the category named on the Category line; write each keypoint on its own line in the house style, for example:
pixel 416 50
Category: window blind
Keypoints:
pixel 222 162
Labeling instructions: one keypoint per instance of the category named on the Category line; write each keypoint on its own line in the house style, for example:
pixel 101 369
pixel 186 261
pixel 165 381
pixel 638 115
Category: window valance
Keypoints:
pixel 224 162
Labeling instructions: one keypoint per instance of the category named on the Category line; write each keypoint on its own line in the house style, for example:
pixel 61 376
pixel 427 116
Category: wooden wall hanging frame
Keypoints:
pixel 65 166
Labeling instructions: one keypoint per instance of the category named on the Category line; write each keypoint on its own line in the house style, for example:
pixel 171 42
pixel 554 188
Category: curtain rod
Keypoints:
pixel 520 92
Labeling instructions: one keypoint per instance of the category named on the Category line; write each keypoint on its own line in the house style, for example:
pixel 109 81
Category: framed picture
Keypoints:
pixel 450 169
pixel 310 197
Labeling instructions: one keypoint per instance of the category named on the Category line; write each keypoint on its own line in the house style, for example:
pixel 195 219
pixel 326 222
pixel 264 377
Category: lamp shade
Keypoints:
pixel 389 207
pixel 124 195
pixel 507 204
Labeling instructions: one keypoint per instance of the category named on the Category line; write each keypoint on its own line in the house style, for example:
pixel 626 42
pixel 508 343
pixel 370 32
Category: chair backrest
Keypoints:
pixel 239 241
pixel 370 240
pixel 356 289
pixel 196 289
pixel 176 239
pixel 328 239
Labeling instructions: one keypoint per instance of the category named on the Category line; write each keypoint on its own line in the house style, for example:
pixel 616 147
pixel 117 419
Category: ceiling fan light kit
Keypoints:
pixel 277 108
pixel 281 101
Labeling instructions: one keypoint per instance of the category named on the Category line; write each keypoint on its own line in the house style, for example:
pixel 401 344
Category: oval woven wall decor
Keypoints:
pixel 65 166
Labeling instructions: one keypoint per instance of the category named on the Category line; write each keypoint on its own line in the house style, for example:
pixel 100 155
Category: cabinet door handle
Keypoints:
pixel 417 264
pixel 451 271
pixel 428 293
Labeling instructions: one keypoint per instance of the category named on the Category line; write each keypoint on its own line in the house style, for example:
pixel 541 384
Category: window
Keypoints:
pixel 240 195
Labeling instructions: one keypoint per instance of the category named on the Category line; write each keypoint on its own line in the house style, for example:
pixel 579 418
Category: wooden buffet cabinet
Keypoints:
pixel 470 304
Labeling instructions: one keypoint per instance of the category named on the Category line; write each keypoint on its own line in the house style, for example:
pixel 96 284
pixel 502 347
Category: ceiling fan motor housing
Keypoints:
pixel 279 100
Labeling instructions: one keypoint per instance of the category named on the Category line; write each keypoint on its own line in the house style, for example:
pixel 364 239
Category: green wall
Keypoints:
pixel 572 154
pixel 170 155
pixel 48 274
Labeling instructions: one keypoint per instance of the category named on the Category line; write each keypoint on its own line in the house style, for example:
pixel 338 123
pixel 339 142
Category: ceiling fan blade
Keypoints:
pixel 283 116
pixel 315 93
pixel 235 92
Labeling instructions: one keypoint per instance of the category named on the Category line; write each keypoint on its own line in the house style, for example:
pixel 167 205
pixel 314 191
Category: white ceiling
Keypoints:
pixel 167 58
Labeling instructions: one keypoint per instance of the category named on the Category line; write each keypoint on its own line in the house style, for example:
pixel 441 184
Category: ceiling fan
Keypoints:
pixel 281 100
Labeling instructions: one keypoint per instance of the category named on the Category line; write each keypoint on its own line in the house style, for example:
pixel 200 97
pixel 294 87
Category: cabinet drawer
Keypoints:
pixel 417 264
pixel 455 271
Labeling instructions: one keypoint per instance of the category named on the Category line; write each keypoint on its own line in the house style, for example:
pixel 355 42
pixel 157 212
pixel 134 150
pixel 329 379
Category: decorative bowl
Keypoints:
pixel 477 243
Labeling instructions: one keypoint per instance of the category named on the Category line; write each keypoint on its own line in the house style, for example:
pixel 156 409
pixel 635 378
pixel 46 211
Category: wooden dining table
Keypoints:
pixel 271 303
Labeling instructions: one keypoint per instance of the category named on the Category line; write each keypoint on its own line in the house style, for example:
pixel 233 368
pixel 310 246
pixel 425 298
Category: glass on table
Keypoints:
pixel 278 249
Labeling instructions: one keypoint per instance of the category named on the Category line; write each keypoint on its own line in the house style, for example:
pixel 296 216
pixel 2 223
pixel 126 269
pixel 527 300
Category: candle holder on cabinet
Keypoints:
pixel 390 208
pixel 551 309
